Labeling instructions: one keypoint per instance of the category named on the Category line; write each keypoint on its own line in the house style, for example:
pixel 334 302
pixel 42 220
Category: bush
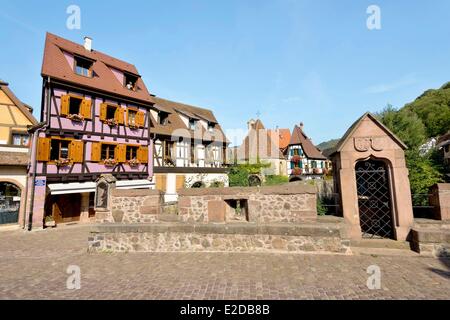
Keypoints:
pixel 240 173
pixel 217 184
pixel 321 209
pixel 276 180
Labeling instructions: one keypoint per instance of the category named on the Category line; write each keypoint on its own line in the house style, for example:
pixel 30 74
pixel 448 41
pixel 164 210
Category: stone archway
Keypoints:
pixel 10 202
pixel 254 180
pixel 374 199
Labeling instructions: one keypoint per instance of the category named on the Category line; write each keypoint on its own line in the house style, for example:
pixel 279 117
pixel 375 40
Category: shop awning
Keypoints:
pixel 82 187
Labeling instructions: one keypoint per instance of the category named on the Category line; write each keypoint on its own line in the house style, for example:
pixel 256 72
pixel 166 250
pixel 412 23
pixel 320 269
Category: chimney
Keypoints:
pixel 301 126
pixel 88 43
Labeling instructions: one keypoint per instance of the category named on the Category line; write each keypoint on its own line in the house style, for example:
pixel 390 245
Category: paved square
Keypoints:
pixel 33 266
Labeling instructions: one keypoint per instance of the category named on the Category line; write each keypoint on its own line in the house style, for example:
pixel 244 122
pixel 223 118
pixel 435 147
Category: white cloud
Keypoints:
pixel 405 81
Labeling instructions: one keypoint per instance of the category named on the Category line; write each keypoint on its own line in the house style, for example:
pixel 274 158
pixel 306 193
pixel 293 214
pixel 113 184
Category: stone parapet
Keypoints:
pixel 286 203
pixel 440 200
pixel 184 237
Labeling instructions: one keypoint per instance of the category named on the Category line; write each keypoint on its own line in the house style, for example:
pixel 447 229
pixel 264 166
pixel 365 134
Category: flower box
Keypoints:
pixel 297 171
pixel 62 162
pixel 296 159
pixel 75 117
pixel 317 171
pixel 133 162
pixel 109 162
pixel 111 122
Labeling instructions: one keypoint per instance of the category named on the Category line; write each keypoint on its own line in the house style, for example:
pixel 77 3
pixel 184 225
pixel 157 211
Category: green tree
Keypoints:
pixel 405 124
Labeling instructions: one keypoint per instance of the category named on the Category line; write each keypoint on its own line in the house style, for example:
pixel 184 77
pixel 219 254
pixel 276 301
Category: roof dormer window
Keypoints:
pixel 130 82
pixel 163 118
pixel 83 67
pixel 192 124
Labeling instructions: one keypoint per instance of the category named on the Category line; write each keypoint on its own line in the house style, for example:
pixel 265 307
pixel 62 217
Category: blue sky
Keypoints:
pixel 291 60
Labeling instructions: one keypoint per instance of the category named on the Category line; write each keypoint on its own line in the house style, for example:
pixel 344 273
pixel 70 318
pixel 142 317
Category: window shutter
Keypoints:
pixel 142 154
pixel 119 115
pixel 65 102
pixel 140 119
pixel 103 107
pixel 86 110
pixel 120 153
pixel 43 150
pixel 76 151
pixel 180 182
pixel 96 148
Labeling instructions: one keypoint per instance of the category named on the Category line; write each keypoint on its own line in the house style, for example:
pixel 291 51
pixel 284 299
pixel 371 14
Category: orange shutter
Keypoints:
pixel 103 107
pixel 120 153
pixel 76 151
pixel 142 154
pixel 86 110
pixel 180 182
pixel 65 102
pixel 43 149
pixel 119 115
pixel 161 181
pixel 96 148
pixel 140 119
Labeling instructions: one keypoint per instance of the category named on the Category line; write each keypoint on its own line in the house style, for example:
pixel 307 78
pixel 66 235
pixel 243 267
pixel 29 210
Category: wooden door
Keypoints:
pixel 67 207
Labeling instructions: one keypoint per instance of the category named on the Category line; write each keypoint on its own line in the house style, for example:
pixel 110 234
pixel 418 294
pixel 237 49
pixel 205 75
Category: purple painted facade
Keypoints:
pixel 55 166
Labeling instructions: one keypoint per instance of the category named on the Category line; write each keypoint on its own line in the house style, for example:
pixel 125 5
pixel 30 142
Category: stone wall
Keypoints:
pixel 133 206
pixel 440 199
pixel 286 203
pixel 431 238
pixel 217 238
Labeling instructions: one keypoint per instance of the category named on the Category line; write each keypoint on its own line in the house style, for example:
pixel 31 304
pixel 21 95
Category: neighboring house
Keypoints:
pixel 15 117
pixel 305 160
pixel 189 148
pixel 94 120
pixel 443 143
pixel 263 145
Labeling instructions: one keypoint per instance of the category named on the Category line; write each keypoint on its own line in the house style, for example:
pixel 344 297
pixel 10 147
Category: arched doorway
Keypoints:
pixel 374 199
pixel 254 181
pixel 9 203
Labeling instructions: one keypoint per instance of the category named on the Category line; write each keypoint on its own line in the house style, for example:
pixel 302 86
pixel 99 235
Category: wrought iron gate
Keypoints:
pixel 374 199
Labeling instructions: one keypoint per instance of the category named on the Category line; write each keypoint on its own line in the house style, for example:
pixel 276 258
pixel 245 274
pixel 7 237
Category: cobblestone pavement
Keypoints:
pixel 33 266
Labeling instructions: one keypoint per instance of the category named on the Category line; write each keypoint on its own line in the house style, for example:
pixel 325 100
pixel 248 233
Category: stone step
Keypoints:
pixel 380 244
pixel 168 218
pixel 360 251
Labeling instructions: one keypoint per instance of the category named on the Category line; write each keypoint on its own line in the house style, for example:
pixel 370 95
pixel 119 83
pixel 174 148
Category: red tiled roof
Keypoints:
pixel 56 66
pixel 298 137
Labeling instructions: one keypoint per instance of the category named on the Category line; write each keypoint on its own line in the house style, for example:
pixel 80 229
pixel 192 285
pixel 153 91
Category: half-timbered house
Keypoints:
pixel 189 147
pixel 94 120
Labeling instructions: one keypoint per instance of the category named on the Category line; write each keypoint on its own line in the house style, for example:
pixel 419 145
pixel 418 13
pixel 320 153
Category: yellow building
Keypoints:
pixel 15 116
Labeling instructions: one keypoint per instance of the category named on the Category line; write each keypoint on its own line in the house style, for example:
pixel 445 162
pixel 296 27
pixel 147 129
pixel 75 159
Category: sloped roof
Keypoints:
pixel 443 140
pixel 55 65
pixel 174 109
pixel 298 137
pixel 25 109
pixel 248 152
pixel 357 123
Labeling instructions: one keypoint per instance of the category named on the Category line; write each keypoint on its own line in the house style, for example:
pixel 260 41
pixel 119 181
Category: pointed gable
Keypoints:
pixel 367 123
pixel 298 137
pixel 58 63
